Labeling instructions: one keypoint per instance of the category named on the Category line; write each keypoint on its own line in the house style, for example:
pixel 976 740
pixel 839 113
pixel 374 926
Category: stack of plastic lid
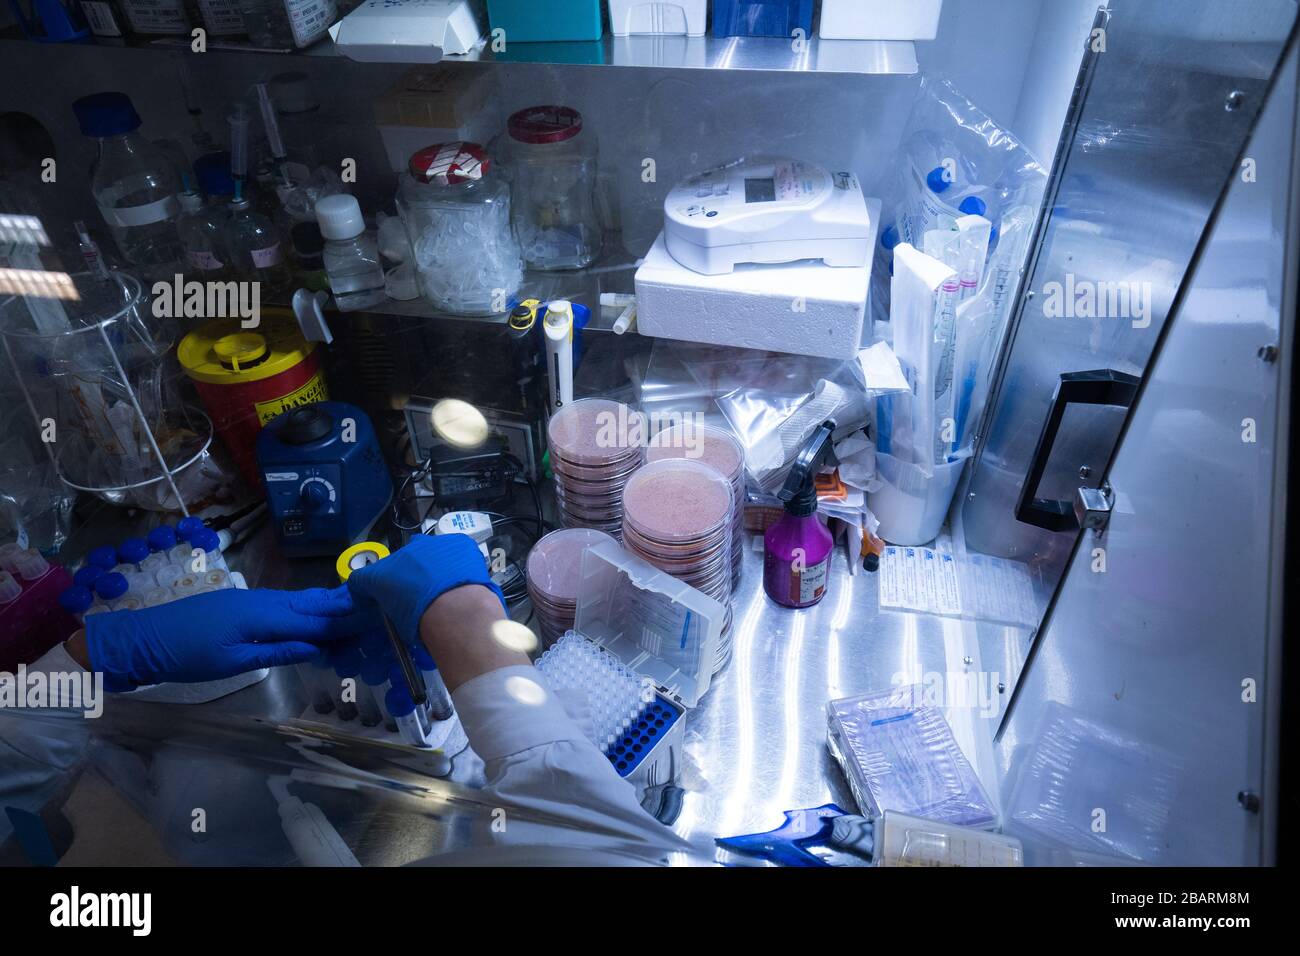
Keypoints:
pixel 553 570
pixel 592 458
pixel 719 449
pixel 677 516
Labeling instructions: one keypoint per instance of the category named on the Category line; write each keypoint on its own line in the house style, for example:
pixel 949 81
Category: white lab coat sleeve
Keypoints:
pixel 539 762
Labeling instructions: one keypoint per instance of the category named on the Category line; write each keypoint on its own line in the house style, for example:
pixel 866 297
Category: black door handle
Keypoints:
pixel 1098 387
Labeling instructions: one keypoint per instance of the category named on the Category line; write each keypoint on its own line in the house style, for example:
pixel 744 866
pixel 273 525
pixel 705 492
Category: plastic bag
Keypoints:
pixel 771 401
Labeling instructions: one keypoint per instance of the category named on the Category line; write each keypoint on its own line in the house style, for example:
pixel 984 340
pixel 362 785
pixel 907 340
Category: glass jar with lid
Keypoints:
pixel 456 211
pixel 553 166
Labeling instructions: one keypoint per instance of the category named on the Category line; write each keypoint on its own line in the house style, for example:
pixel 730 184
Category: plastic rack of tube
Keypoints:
pixel 168 564
pixel 615 695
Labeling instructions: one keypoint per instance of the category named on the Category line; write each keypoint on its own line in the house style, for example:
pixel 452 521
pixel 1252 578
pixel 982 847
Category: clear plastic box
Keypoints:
pixel 899 753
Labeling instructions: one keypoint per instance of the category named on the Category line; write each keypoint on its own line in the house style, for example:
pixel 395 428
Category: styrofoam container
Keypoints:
pixel 674 17
pixel 880 19
pixel 805 308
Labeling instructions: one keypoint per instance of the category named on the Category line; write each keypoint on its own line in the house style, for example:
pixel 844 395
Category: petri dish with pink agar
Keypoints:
pixel 594 450
pixel 718 448
pixel 677 515
pixel 552 571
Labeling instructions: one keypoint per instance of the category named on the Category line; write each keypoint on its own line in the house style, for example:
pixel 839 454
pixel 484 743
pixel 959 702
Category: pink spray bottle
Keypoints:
pixel 797 549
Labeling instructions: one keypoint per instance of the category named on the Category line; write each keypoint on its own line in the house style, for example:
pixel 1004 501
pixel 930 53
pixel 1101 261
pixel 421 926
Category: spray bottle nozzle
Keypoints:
pixel 800 490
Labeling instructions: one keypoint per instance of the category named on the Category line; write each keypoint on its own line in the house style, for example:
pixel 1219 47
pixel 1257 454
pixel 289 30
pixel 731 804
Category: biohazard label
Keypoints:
pixel 313 390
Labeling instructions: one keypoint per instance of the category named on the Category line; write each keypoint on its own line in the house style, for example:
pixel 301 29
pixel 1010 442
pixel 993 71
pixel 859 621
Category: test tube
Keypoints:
pixel 133 552
pixel 30 566
pixel 439 700
pixel 374 674
pixel 160 540
pixel 155 597
pixel 76 600
pixel 109 588
pixel 210 542
pixel 345 666
pixel 238 117
pixel 319 681
pixel 10 589
pixel 169 576
pixel 8 552
pixel 399 704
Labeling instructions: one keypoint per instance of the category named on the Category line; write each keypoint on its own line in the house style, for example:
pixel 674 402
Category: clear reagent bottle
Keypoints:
pixel 351 255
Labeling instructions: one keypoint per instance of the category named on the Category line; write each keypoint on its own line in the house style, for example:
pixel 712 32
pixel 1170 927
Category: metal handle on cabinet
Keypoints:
pixel 1097 387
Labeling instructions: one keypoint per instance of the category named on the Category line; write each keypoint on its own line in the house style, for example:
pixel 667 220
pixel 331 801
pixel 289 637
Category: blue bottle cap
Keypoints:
pixel 890 237
pixel 110 585
pixel 374 643
pixel 398 702
pixel 162 538
pixel 206 539
pixel 133 550
pixel 186 527
pixel 106 114
pixel 76 599
pixel 374 671
pixel 213 174
pixel 86 576
pixel 347 663
pixel 423 660
pixel 104 557
pixel 937 180
pixel 973 206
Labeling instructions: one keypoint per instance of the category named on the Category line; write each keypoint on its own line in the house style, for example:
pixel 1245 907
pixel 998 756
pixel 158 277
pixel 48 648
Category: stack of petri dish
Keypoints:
pixel 553 569
pixel 677 516
pixel 719 449
pixel 593 453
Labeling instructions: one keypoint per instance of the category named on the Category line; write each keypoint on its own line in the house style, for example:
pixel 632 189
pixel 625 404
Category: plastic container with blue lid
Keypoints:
pixel 110 586
pixel 162 538
pixel 186 527
pixel 76 600
pixel 86 575
pixel 762 18
pixel 103 557
pixel 133 551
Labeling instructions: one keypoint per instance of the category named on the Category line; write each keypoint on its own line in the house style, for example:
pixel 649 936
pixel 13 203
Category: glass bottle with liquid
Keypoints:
pixel 253 246
pixel 351 255
pixel 200 229
pixel 134 185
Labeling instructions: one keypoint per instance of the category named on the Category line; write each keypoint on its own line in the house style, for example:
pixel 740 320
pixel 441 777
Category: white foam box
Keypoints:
pixel 805 308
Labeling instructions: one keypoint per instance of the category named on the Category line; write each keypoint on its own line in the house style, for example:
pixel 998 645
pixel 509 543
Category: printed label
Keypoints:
pixel 204 261
pixel 313 390
pixel 309 19
pixel 100 19
pixel 812 582
pixel 265 258
pixel 124 217
pixel 222 17
pixel 156 16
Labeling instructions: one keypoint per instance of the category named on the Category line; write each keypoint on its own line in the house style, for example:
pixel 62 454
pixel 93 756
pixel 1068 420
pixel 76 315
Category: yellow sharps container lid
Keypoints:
pixel 222 352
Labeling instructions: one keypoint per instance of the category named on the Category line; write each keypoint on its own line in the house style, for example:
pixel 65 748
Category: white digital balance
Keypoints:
pixel 767 211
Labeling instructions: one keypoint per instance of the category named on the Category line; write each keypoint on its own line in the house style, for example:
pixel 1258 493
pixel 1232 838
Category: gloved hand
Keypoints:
pixel 219 634
pixel 406 582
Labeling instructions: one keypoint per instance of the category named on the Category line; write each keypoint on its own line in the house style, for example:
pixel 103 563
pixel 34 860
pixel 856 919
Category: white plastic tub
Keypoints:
pixel 880 19
pixel 628 17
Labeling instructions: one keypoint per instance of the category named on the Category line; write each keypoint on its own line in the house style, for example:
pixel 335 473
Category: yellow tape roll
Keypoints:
pixel 358 556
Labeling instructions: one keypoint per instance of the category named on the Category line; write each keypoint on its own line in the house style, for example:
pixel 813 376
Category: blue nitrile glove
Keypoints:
pixel 406 582
pixel 219 634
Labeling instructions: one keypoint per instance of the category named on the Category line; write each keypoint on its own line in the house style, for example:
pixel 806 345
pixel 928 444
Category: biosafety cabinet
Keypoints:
pixel 1086 572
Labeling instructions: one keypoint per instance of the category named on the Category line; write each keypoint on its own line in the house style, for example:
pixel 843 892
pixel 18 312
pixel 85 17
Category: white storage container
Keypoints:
pixel 627 17
pixel 880 19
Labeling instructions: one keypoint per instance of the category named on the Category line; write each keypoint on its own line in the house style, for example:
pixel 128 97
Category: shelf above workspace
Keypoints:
pixel 754 54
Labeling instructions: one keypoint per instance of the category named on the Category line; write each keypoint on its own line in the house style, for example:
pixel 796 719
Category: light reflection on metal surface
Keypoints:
pixel 38 284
